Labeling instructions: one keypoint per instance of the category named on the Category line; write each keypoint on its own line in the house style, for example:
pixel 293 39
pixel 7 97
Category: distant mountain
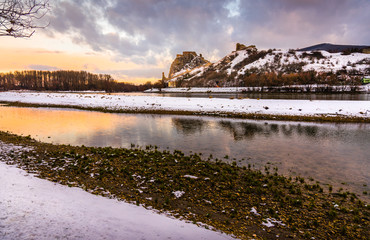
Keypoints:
pixel 248 66
pixel 334 48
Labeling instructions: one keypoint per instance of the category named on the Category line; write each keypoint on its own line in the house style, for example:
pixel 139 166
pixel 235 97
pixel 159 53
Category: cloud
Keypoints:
pixel 147 30
pixel 43 51
pixel 298 23
pixel 42 67
pixel 143 27
pixel 142 73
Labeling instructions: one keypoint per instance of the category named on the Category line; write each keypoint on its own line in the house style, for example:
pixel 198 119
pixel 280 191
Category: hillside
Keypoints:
pixel 250 67
pixel 336 48
pixel 185 62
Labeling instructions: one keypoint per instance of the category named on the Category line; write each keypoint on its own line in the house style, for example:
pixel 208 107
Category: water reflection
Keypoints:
pixel 246 130
pixel 189 126
pixel 330 153
pixel 242 130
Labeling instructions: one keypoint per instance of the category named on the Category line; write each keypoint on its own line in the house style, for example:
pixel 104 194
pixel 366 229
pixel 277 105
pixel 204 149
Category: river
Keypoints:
pixel 331 153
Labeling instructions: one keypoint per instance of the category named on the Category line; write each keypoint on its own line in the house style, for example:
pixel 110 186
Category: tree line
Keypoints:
pixel 62 80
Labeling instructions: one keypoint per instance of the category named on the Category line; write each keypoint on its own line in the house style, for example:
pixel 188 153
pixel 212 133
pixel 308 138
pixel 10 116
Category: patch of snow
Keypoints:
pixel 269 222
pixel 254 211
pixel 178 194
pixel 190 176
pixel 331 62
pixel 195 72
pixel 269 58
pixel 33 208
pixel 243 54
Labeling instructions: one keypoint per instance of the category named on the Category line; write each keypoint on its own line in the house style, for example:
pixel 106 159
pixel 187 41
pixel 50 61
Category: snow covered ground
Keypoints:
pixel 33 208
pixel 202 105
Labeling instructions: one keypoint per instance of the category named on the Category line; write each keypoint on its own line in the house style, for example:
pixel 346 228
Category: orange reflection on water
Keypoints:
pixel 39 122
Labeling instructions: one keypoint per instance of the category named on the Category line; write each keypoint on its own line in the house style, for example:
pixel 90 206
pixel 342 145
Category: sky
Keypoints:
pixel 136 40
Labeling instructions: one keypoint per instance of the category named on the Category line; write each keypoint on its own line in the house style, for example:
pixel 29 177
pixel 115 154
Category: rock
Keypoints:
pixel 163 77
pixel 186 60
pixel 240 47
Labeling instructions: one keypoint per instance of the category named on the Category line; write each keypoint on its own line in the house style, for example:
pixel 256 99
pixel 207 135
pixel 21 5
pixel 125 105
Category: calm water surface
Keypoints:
pixel 336 154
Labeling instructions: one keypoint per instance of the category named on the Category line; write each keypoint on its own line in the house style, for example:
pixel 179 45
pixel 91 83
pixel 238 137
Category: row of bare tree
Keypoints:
pixel 65 81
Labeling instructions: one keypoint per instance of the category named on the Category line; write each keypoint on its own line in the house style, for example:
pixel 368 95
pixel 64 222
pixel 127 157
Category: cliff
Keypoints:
pixel 185 62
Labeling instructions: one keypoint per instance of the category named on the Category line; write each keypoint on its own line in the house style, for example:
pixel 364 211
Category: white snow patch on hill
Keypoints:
pixel 330 62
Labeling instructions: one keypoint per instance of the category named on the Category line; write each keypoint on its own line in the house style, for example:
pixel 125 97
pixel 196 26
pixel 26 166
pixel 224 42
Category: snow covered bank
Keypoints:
pixel 32 208
pixel 292 88
pixel 360 109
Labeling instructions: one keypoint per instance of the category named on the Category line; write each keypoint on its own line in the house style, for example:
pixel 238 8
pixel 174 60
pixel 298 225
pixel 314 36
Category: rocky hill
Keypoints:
pixel 185 62
pixel 248 66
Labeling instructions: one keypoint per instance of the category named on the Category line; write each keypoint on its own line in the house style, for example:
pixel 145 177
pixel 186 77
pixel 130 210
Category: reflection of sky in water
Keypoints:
pixel 330 153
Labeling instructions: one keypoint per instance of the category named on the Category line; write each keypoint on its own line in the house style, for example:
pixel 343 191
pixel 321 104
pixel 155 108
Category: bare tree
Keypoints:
pixel 18 17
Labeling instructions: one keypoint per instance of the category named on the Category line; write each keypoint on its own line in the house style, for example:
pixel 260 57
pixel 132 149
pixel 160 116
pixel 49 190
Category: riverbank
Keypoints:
pixel 239 201
pixel 33 208
pixel 312 88
pixel 296 110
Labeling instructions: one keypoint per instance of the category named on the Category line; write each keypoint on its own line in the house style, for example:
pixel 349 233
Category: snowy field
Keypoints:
pixel 33 208
pixel 200 105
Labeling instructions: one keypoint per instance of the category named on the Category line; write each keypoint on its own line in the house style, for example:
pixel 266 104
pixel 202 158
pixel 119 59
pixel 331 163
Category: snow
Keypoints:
pixel 254 211
pixel 190 176
pixel 243 54
pixel 195 72
pixel 256 64
pixel 332 62
pixel 201 105
pixel 269 222
pixel 337 61
pixel 178 194
pixel 33 208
